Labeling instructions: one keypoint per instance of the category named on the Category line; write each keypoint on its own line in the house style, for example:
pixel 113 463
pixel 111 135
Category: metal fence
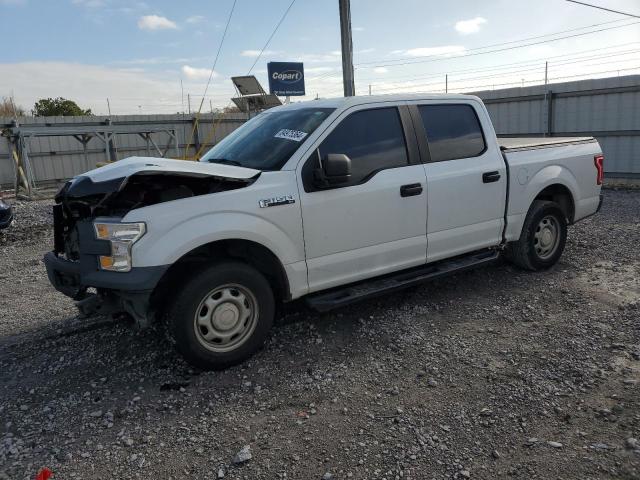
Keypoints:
pixel 62 147
pixel 606 108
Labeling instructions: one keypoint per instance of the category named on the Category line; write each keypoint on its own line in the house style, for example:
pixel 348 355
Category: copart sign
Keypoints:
pixel 286 79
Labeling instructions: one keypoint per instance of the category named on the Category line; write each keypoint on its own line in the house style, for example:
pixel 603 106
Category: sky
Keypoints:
pixel 156 56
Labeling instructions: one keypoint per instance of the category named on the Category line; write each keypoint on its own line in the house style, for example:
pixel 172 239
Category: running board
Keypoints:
pixel 342 296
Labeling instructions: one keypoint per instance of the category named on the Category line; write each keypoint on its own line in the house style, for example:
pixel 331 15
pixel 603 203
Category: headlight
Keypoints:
pixel 121 236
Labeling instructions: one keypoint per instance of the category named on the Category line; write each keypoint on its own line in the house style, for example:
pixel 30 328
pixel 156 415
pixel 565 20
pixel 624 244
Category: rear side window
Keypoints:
pixel 453 131
pixel 372 139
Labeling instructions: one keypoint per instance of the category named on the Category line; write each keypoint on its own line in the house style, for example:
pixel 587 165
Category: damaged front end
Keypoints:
pixel 91 259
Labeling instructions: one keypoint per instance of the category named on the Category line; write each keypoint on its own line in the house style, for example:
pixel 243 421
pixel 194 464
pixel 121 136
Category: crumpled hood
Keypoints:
pixel 112 178
pixel 134 165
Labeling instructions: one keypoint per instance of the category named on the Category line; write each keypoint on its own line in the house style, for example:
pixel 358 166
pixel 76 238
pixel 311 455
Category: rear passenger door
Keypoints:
pixel 466 177
pixel 376 222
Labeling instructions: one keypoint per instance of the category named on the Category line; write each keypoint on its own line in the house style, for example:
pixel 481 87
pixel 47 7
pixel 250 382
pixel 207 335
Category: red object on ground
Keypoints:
pixel 44 474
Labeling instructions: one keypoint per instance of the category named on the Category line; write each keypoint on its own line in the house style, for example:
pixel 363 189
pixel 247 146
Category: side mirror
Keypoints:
pixel 336 169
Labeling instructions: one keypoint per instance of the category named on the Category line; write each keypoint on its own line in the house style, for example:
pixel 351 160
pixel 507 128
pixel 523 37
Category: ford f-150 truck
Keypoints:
pixel 333 200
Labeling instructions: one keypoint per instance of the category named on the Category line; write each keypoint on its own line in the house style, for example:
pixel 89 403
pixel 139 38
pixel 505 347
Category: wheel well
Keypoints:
pixel 251 253
pixel 562 196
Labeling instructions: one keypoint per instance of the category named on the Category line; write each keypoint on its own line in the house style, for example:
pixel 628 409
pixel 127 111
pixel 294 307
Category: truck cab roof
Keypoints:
pixel 346 102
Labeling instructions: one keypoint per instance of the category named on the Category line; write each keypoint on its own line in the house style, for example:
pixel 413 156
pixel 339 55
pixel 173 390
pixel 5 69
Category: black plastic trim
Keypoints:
pixel 346 295
pixel 72 278
pixel 410 138
pixel 421 133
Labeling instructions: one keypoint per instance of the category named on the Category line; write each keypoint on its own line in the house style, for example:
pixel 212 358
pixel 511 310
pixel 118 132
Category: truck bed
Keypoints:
pixel 530 143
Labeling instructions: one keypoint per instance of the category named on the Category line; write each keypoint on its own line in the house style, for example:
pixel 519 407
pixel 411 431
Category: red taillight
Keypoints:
pixel 598 161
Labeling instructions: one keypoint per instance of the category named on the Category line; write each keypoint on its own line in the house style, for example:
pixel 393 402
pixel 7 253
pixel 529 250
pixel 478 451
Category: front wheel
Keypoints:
pixel 543 237
pixel 222 315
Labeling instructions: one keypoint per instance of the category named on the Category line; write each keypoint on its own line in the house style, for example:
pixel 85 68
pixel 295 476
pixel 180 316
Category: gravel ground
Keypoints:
pixel 490 373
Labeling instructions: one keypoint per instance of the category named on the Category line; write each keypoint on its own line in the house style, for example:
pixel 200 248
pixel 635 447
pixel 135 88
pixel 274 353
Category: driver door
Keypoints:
pixel 374 222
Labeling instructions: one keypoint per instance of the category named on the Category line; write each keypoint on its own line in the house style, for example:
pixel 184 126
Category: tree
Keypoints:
pixel 8 108
pixel 231 109
pixel 51 107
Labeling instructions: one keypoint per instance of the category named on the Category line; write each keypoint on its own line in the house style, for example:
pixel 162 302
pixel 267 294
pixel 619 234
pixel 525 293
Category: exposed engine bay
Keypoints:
pixel 81 198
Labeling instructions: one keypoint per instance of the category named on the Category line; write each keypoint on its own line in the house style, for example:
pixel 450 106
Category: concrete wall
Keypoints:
pixel 606 108
pixel 56 158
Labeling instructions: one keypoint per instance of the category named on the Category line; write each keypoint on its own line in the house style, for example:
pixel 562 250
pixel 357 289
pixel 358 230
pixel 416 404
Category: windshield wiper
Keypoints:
pixel 225 161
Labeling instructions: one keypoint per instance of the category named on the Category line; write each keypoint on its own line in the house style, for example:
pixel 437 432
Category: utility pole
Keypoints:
pixel 546 71
pixel 182 95
pixel 108 106
pixel 446 83
pixel 369 89
pixel 347 48
pixel 189 102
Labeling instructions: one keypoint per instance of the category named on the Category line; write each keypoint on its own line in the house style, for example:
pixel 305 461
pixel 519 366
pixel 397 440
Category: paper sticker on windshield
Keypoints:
pixel 295 135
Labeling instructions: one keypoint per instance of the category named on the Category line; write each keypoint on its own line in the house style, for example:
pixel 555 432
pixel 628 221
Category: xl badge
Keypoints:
pixel 275 201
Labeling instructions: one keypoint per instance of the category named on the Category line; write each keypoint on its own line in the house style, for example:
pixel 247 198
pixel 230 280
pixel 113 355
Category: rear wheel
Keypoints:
pixel 543 237
pixel 222 315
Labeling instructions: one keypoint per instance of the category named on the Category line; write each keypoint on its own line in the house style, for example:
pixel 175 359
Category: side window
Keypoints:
pixel 372 139
pixel 453 131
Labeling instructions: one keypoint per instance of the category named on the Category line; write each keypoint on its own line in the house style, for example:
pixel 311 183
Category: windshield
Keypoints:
pixel 268 140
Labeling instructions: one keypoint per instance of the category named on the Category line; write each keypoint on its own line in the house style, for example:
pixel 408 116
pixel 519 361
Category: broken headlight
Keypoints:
pixel 121 236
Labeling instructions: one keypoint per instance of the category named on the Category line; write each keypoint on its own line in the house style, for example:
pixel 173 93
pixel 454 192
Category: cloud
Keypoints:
pixel 158 60
pixel 90 85
pixel 89 3
pixel 155 22
pixel 380 70
pixel 331 57
pixel 358 29
pixel 318 69
pixel 466 27
pixel 194 73
pixel 255 53
pixel 195 19
pixel 444 50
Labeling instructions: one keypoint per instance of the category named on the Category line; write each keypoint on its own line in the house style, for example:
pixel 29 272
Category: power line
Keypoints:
pixel 574 58
pixel 472 88
pixel 435 58
pixel 603 8
pixel 215 61
pixel 521 63
pixel 500 44
pixel 560 66
pixel 271 36
pixel 530 69
pixel 206 88
pixel 507 48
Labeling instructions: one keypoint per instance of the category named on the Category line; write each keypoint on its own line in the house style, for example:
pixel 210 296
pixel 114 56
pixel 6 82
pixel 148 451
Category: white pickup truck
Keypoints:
pixel 333 200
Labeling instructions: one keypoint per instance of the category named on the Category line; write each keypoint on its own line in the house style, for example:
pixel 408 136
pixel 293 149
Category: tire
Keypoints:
pixel 543 237
pixel 221 316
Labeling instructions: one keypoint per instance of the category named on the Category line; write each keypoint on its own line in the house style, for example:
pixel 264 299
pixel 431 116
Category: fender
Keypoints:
pixel 170 245
pixel 522 196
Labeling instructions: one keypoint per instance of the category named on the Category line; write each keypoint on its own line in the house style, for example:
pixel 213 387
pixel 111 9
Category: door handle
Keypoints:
pixel 490 177
pixel 410 190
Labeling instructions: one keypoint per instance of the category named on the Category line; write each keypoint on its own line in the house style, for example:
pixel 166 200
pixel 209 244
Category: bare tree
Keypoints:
pixel 8 108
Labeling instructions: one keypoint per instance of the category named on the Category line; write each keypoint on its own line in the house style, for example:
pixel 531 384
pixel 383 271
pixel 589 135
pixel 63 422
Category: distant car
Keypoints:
pixel 6 214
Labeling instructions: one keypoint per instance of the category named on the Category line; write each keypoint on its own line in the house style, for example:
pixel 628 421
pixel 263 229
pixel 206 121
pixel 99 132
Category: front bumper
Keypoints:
pixel 74 277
